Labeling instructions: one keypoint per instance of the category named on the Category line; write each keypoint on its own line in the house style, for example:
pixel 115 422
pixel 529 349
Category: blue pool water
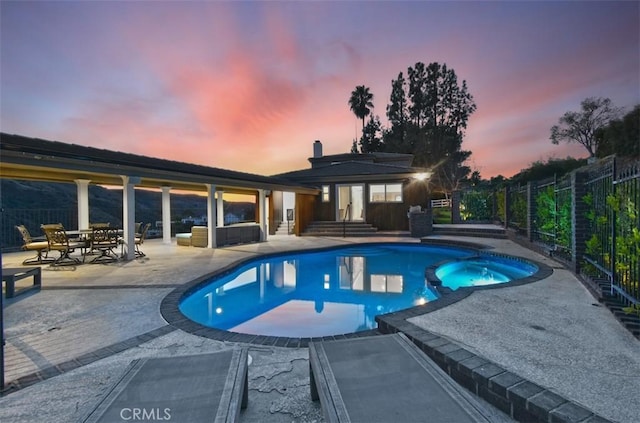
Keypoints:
pixel 483 271
pixel 321 293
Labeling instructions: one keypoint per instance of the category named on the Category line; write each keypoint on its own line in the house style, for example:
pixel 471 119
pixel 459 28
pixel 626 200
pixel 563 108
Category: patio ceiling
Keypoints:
pixel 52 161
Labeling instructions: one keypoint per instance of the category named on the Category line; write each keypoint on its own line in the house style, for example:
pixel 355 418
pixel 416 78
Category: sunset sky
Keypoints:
pixel 249 86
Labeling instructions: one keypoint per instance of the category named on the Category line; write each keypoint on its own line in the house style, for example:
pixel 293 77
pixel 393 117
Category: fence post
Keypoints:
pixel 613 223
pixel 531 209
pixel 456 197
pixel 507 209
pixel 579 221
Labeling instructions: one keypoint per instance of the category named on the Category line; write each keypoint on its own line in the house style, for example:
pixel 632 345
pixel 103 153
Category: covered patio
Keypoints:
pixel 35 159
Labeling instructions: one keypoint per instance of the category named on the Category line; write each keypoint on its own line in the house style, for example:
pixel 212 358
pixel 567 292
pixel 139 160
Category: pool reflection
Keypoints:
pixel 311 296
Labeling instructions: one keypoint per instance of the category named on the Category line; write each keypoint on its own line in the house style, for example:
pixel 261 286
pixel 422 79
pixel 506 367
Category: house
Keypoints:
pixel 373 188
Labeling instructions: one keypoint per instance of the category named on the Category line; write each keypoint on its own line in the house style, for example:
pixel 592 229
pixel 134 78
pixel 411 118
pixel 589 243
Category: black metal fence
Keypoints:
pixel 32 219
pixel 590 218
pixel 613 246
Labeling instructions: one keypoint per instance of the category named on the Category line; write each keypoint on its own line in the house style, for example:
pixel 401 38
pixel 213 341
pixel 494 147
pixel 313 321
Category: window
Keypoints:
pixel 385 193
pixel 325 193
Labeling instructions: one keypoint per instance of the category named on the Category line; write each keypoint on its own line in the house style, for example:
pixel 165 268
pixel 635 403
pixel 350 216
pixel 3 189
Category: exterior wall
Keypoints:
pixel 326 211
pixel 384 216
pixel 275 211
pixel 388 216
pixel 304 213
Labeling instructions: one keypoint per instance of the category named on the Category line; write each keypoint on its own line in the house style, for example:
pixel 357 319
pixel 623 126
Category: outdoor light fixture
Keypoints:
pixel 422 176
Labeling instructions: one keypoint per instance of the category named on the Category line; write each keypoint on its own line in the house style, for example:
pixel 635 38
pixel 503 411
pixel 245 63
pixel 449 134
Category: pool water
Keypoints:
pixel 318 293
pixel 483 271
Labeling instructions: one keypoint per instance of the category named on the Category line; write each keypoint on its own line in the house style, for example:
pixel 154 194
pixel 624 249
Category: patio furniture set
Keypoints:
pixel 100 240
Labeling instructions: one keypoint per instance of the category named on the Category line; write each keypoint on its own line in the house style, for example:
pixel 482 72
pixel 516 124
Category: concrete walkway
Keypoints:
pixel 69 342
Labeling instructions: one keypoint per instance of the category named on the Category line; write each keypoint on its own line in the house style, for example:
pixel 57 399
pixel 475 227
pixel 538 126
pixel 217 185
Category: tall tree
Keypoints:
pixel 397 107
pixel 439 108
pixel 581 127
pixel 397 114
pixel 361 102
pixel 371 140
pixel 417 93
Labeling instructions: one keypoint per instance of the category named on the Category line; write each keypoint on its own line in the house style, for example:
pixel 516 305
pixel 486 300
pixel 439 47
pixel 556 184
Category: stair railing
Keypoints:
pixel 344 220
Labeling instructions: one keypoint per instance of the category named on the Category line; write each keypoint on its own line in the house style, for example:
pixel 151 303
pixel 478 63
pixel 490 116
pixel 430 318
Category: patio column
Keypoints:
pixel 262 204
pixel 220 204
pixel 211 216
pixel 83 202
pixel 166 215
pixel 129 215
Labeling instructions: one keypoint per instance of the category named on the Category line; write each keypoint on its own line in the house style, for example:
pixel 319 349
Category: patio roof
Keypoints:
pixel 53 161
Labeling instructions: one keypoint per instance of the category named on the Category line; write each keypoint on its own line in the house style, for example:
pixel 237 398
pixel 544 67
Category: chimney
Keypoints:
pixel 317 149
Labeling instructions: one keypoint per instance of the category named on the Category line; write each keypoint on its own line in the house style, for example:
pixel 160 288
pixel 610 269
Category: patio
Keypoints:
pixel 70 341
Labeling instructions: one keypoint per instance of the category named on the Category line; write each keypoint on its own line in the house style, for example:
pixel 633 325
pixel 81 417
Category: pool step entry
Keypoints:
pixel 330 228
pixel 470 230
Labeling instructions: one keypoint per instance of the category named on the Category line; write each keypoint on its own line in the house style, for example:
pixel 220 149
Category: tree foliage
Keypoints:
pixel 371 139
pixel 361 102
pixel 581 127
pixel 621 136
pixel 539 170
pixel 428 114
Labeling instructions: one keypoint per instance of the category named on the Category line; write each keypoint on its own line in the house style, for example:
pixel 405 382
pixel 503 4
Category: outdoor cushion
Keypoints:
pixel 196 388
pixel 386 379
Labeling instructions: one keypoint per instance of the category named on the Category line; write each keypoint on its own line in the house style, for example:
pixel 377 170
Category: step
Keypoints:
pixel 470 231
pixel 322 228
pixel 285 228
pixel 340 234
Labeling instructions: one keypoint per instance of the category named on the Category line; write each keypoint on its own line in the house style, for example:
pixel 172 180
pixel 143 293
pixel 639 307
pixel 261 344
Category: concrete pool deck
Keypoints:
pixel 69 342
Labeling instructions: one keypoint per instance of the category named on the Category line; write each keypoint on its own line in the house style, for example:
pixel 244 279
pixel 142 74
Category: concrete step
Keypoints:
pixel 461 230
pixel 284 229
pixel 318 228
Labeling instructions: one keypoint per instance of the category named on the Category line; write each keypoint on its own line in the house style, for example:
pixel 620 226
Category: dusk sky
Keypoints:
pixel 249 86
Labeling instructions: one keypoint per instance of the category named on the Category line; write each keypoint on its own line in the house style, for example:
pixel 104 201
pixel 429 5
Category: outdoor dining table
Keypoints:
pixel 85 235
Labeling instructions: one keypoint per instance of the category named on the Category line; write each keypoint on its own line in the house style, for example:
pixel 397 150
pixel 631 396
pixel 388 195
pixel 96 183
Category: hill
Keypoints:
pixel 33 203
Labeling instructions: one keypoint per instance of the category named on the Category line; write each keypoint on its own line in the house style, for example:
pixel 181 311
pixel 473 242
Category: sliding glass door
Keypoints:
pixel 350 203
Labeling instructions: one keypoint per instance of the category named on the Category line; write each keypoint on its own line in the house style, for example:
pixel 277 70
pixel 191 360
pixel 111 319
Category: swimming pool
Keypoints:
pixel 319 293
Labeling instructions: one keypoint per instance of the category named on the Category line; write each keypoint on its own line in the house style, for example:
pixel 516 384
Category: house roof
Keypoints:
pixel 42 160
pixel 378 157
pixel 349 171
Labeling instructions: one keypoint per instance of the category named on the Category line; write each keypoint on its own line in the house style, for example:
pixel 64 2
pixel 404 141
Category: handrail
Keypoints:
pixel 344 220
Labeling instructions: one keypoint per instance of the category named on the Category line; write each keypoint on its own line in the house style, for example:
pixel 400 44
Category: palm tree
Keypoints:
pixel 361 102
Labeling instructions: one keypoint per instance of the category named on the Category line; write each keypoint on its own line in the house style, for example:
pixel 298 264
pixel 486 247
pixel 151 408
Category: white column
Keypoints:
pixel 262 201
pixel 220 204
pixel 211 216
pixel 83 202
pixel 166 215
pixel 129 215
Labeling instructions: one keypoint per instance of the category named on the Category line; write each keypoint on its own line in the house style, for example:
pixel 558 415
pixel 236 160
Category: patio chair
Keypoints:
pixel 387 378
pixel 197 388
pixel 59 241
pixel 40 247
pixel 140 239
pixel 105 240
